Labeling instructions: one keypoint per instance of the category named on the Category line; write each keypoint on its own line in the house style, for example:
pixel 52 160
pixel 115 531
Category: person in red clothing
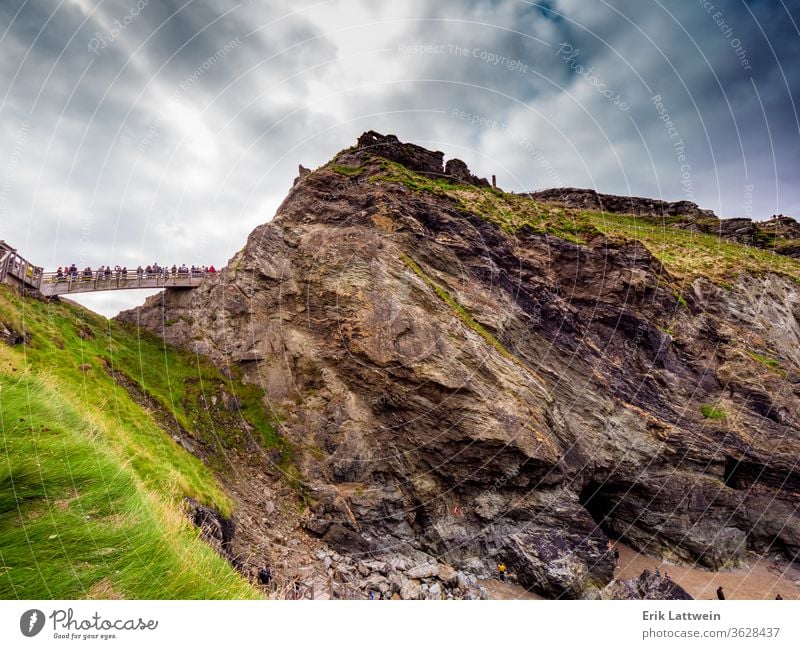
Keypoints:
pixel 211 269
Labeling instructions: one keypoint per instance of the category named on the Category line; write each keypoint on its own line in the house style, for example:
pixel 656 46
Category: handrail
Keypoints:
pixel 82 281
pixel 130 275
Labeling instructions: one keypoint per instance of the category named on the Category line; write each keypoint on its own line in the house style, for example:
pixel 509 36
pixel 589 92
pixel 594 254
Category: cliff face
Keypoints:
pixel 490 394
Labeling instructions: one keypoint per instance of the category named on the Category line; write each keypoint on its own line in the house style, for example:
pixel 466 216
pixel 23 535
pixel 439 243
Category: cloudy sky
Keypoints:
pixel 168 129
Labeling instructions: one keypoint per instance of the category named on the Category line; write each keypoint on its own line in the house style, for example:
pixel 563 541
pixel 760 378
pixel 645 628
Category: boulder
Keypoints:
pixel 423 571
pixel 447 574
pixel 645 586
pixel 410 589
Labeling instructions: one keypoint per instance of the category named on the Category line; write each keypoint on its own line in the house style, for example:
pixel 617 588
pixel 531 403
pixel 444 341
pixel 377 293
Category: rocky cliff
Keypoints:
pixel 472 377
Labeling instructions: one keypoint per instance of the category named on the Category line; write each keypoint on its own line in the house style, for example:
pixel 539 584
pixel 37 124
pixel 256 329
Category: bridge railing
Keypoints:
pixel 53 283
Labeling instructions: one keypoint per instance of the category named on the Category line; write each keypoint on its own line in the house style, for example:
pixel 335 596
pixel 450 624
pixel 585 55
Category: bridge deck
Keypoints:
pixel 53 285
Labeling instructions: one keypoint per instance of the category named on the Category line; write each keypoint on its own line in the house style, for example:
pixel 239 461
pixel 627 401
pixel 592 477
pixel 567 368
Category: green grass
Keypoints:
pixel 75 521
pixel 769 362
pixel 712 412
pixel 690 254
pixel 91 483
pixel 186 387
pixel 347 170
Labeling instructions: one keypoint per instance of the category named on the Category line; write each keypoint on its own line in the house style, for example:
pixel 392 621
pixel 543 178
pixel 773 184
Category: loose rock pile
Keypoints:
pixel 397 578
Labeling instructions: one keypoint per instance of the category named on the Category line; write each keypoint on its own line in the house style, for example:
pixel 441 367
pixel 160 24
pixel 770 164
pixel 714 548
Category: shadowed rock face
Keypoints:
pixel 485 397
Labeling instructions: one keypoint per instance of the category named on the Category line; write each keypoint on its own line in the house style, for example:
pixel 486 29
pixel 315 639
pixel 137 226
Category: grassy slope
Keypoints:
pixel 683 253
pixel 91 487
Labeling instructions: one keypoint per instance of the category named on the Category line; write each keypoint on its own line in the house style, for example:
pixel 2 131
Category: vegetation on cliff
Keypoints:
pixel 93 480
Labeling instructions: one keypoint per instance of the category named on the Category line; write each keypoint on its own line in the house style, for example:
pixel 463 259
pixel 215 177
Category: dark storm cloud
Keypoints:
pixel 169 130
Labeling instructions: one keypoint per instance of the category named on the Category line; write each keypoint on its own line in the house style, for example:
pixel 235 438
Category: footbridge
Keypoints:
pixel 17 271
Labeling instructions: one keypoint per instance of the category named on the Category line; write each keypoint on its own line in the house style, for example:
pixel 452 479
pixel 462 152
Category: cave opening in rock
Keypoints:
pixel 597 501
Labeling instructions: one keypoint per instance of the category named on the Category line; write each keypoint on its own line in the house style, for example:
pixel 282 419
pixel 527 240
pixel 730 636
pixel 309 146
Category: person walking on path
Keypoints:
pixel 503 571
pixel 720 593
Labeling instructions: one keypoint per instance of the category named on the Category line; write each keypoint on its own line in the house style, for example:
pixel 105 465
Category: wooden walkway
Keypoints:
pixel 17 271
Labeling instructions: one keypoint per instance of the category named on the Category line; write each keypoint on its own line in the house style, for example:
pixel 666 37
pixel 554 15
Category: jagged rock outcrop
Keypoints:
pixel 484 397
pixel 458 171
pixel 416 158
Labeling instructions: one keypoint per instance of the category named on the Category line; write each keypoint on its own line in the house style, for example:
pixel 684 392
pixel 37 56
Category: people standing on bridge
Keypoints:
pixel 124 272
pixel 107 272
pixel 59 273
pixel 139 272
pixel 211 269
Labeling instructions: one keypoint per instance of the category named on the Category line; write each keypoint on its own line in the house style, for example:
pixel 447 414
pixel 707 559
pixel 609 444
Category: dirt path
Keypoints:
pixel 500 590
pixel 760 580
